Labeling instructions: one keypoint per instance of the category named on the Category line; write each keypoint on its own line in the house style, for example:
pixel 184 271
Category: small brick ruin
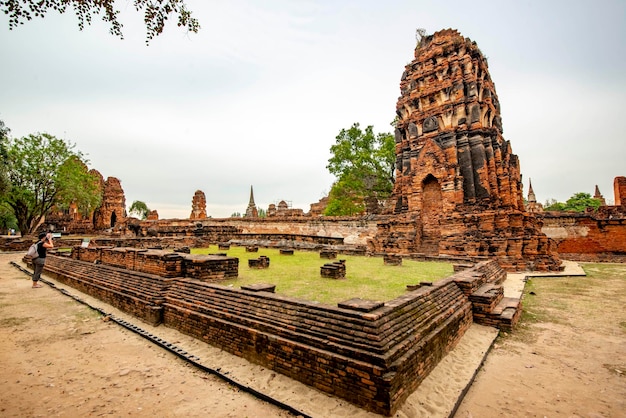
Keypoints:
pixel 110 215
pixel 458 187
pixel 392 260
pixel 334 270
pixel 328 254
pixel 263 262
pixel 198 206
pixel 371 353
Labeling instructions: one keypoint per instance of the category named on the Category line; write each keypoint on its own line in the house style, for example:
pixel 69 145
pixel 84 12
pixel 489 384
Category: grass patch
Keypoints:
pixel 298 275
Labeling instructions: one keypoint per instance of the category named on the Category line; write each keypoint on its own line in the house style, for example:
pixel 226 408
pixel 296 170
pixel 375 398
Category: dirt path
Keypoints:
pixel 59 358
pixel 568 356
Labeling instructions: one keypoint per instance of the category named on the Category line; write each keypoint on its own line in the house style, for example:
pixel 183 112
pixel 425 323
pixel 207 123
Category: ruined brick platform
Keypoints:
pixel 164 263
pixel 371 353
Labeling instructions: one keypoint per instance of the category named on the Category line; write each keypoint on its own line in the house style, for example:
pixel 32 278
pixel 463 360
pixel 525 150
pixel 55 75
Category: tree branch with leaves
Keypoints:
pixel 156 13
pixel 364 164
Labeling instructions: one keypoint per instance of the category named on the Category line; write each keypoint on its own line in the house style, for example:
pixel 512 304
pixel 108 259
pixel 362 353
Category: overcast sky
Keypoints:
pixel 259 95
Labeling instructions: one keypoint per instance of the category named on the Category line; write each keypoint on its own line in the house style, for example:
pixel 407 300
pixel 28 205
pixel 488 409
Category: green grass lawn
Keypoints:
pixel 298 275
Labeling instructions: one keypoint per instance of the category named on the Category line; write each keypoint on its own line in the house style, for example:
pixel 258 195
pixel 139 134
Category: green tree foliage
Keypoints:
pixel 140 209
pixel 44 172
pixel 7 218
pixel 579 202
pixel 4 143
pixel 156 13
pixel 364 165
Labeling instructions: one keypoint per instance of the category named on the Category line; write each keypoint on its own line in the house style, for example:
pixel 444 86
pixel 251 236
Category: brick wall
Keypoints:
pixel 133 292
pixel 588 236
pixel 162 263
pixel 371 354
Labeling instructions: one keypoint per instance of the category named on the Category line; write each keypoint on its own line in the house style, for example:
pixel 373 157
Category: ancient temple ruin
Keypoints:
pixel 112 210
pixel 198 205
pixel 458 187
pixel 251 210
pixel 531 202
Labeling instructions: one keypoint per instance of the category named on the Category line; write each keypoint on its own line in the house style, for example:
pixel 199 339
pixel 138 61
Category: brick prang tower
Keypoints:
pixel 458 187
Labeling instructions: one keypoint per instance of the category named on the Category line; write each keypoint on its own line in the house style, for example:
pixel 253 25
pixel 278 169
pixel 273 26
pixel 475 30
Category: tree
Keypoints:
pixel 140 209
pixel 4 143
pixel 364 165
pixel 7 218
pixel 554 205
pixel 156 13
pixel 579 202
pixel 43 172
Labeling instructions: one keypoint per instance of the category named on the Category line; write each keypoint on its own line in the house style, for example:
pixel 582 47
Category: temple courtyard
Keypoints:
pixel 566 357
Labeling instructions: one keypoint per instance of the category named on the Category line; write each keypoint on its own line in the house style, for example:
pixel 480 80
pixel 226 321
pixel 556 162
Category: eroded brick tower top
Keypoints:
pixel 449 130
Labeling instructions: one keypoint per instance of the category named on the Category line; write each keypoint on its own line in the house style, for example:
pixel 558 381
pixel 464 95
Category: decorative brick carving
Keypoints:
pixel 458 187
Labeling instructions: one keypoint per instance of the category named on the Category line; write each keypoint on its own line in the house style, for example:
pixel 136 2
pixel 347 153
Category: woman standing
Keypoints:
pixel 45 242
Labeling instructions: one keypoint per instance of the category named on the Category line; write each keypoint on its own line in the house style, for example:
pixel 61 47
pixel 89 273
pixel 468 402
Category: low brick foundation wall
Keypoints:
pixel 370 353
pixel 373 359
pixel 212 268
pixel 136 293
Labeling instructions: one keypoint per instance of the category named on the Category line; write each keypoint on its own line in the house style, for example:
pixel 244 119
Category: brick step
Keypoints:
pixel 504 316
pixel 486 298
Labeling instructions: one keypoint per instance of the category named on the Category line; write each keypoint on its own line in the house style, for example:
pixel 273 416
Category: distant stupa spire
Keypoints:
pixel 531 193
pixel 598 195
pixel 251 211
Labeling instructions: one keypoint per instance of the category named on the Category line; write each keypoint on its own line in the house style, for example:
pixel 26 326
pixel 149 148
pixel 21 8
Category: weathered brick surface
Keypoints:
pixel 595 236
pixel 162 262
pixel 334 270
pixel 133 292
pixel 262 262
pixel 370 353
pixel 392 260
pixel 112 210
pixel 198 206
pixel 458 187
pixel 328 254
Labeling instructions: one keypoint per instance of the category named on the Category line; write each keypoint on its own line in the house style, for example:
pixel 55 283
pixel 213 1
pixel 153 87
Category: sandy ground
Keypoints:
pixel 60 358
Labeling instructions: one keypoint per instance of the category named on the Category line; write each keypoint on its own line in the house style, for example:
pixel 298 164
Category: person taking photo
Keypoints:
pixel 45 242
